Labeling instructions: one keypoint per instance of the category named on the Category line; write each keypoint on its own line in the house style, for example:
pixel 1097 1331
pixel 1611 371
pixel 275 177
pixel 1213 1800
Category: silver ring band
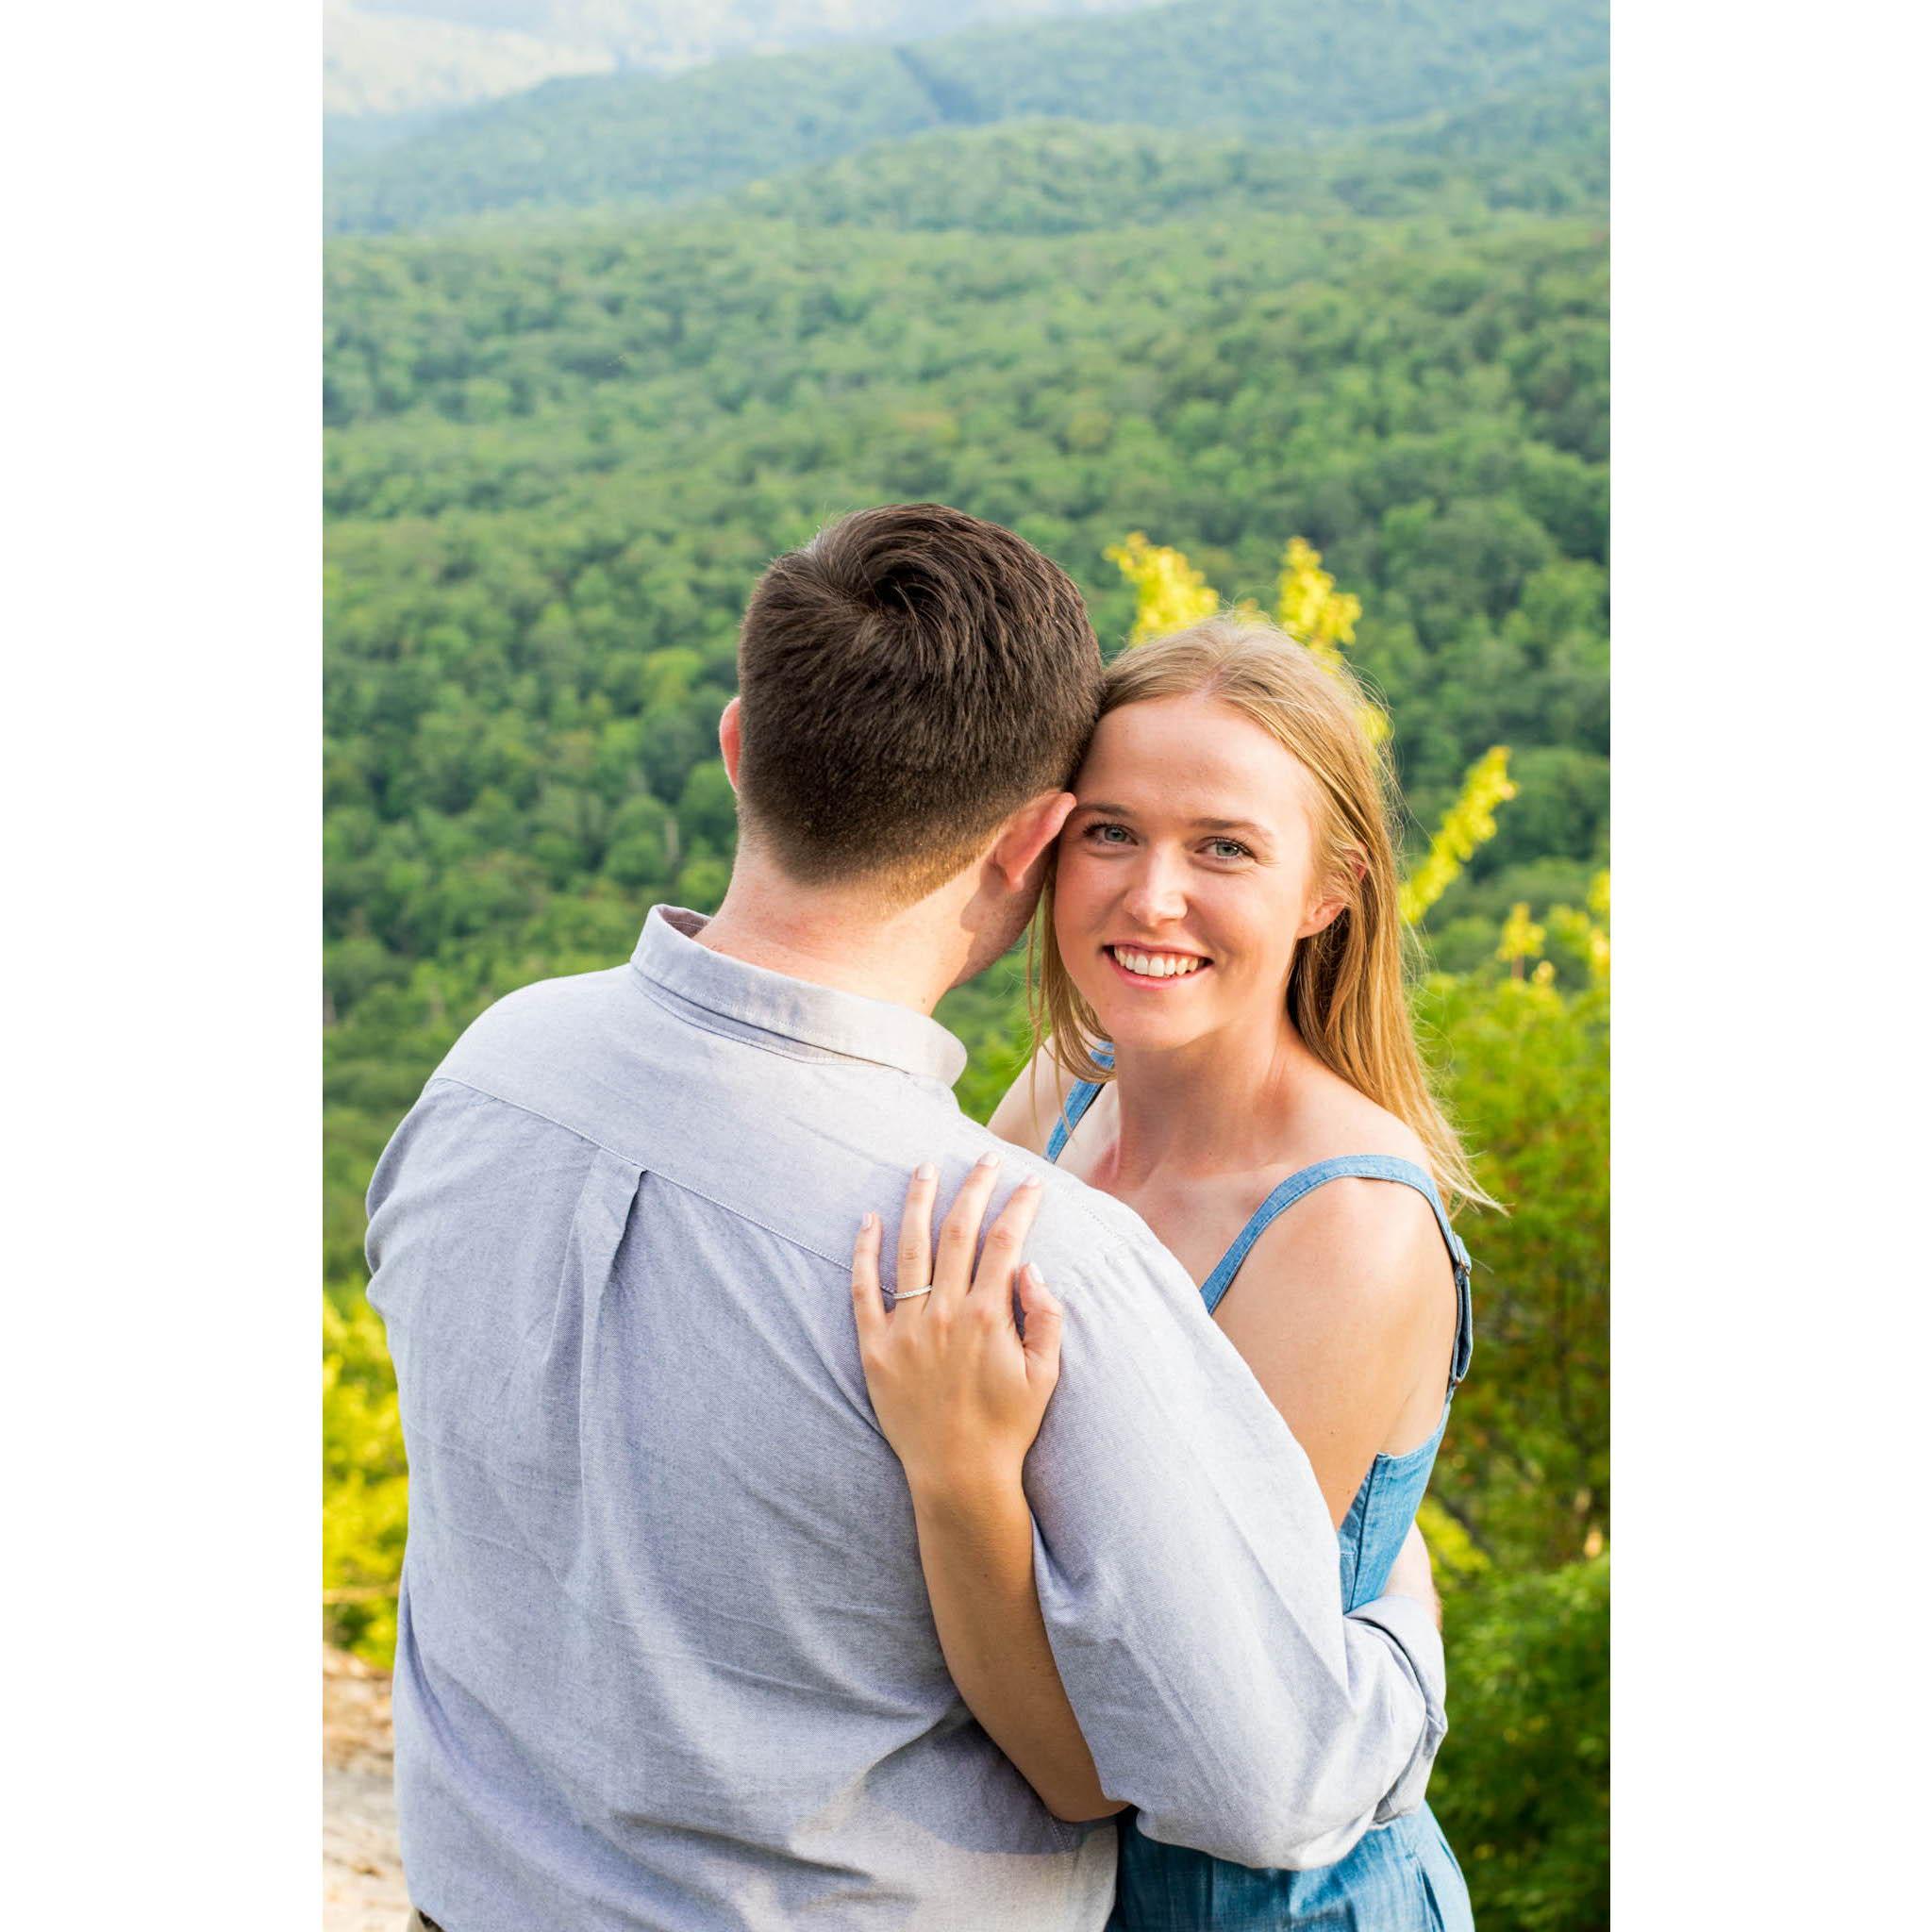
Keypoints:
pixel 909 1295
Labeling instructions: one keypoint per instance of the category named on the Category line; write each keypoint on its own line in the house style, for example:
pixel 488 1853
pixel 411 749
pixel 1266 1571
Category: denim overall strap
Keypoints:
pixel 1084 1092
pixel 1373 1167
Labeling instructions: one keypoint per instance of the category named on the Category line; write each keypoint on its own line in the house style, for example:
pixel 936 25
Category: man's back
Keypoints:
pixel 665 1655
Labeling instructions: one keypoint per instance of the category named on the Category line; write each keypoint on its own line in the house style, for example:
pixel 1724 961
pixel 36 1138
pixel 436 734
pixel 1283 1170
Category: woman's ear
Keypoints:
pixel 1329 911
pixel 1325 915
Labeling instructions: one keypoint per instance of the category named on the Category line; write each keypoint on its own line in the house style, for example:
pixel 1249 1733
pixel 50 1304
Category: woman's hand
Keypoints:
pixel 959 1394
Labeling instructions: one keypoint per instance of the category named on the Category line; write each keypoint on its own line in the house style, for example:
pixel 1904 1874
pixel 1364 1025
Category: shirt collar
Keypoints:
pixel 848 1023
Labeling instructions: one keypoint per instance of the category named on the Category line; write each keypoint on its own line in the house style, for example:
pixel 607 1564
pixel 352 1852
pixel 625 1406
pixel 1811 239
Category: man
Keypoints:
pixel 665 1657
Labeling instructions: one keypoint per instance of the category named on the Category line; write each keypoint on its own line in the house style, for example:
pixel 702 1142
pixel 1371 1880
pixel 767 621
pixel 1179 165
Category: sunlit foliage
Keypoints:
pixel 1587 934
pixel 364 1481
pixel 1169 592
pixel 1468 824
pixel 1310 608
pixel 1523 938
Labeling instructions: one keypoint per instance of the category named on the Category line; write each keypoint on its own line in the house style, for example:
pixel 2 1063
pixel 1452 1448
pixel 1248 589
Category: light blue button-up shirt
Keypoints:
pixel 665 1657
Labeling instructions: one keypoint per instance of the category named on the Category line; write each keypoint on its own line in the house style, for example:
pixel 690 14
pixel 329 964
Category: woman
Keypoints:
pixel 1221 972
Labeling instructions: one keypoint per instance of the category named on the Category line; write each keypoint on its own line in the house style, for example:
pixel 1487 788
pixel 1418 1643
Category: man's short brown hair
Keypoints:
pixel 906 681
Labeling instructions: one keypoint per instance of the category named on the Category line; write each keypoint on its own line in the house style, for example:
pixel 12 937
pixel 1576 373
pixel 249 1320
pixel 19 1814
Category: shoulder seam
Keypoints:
pixel 656 1173
pixel 1111 1242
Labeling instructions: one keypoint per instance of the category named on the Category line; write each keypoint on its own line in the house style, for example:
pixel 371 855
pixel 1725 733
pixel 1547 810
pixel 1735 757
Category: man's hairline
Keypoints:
pixel 769 852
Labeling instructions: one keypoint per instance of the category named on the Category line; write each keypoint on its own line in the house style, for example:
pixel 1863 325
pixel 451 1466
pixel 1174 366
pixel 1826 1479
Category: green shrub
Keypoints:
pixel 1523 1784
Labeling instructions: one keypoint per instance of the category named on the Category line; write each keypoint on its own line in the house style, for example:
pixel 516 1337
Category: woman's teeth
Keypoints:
pixel 1156 965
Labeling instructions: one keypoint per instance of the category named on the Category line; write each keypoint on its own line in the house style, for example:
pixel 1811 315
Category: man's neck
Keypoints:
pixel 839 938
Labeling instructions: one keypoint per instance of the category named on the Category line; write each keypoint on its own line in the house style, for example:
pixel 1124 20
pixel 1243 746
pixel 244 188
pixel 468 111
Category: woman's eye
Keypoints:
pixel 1108 835
pixel 1228 848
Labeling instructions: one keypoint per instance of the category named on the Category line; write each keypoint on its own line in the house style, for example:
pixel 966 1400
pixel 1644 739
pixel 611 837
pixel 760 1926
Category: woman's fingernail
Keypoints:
pixel 1032 1180
pixel 870 1222
pixel 989 1158
pixel 925 1170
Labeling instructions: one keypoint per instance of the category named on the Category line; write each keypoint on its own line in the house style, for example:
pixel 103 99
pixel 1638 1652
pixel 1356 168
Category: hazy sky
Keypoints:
pixel 384 56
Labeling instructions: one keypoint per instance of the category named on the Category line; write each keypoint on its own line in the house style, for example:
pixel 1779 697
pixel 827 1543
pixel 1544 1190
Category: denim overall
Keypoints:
pixel 1402 1876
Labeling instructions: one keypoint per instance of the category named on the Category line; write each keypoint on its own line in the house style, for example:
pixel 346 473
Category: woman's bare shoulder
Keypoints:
pixel 1345 1311
pixel 1343 1120
pixel 1368 1250
pixel 1365 1240
pixel 1024 1118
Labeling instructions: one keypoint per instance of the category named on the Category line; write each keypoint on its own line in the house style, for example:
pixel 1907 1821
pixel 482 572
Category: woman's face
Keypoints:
pixel 1186 872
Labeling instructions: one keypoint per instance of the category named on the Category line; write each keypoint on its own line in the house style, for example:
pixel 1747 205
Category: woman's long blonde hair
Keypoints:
pixel 1347 990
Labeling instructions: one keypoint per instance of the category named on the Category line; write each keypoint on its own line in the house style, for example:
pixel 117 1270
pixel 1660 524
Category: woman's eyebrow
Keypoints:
pixel 1109 810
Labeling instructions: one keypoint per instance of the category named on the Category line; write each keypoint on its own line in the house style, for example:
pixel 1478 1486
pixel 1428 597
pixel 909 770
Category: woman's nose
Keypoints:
pixel 1156 895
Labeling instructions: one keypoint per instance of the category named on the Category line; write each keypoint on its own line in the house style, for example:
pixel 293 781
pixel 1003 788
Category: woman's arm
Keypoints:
pixel 960 1395
pixel 978 1554
pixel 1345 1311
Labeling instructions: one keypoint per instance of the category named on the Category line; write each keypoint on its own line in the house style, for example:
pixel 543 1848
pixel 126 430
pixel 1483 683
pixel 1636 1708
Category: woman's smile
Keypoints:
pixel 1156 967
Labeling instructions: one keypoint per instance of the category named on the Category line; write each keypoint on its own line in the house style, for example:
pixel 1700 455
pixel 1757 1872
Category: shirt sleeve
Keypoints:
pixel 1188 1575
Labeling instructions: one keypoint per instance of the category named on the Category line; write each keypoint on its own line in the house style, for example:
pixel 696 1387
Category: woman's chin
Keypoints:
pixel 1131 1023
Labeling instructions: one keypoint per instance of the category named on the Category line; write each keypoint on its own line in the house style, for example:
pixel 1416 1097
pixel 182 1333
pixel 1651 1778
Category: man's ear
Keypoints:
pixel 730 742
pixel 1021 850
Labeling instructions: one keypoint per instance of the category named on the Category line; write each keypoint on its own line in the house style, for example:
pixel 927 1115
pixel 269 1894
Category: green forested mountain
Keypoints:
pixel 1282 71
pixel 1047 177
pixel 559 448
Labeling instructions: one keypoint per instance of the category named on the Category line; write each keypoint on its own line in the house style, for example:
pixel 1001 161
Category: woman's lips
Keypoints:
pixel 1156 980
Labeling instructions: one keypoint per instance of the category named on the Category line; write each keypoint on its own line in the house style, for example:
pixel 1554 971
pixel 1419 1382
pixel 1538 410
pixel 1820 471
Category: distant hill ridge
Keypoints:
pixel 1546 153
pixel 1283 71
